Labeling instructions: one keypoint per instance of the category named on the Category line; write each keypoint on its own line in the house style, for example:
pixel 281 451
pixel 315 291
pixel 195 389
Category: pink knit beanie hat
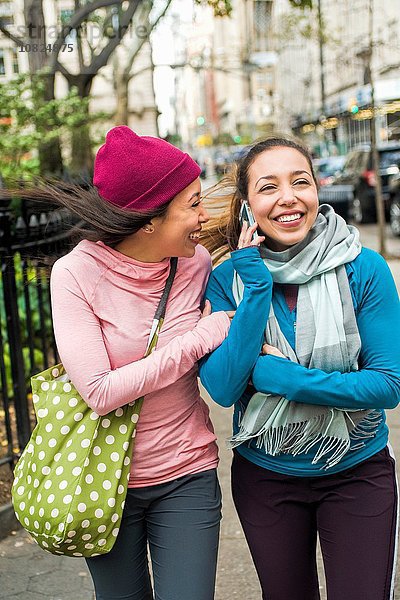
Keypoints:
pixel 141 173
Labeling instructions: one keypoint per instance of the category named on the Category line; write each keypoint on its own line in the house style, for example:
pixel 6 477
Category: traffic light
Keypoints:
pixel 200 121
pixel 353 105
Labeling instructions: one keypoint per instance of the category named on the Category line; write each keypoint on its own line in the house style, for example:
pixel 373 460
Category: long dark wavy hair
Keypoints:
pixel 100 220
pixel 221 234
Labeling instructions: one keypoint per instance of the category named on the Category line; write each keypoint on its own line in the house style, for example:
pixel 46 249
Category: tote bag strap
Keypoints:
pixel 160 312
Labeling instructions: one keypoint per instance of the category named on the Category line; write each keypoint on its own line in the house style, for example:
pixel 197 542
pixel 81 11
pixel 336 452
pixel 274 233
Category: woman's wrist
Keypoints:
pixel 250 266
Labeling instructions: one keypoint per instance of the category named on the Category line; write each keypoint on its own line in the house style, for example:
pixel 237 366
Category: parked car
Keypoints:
pixel 222 161
pixel 224 158
pixel 338 196
pixel 394 211
pixel 358 172
pixel 240 152
pixel 203 166
pixel 326 169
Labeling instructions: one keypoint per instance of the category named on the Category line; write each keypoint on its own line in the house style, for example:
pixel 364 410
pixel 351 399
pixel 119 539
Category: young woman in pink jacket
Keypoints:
pixel 147 209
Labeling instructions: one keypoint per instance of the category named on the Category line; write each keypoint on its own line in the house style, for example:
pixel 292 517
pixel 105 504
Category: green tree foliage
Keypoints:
pixel 221 8
pixel 26 122
pixel 304 24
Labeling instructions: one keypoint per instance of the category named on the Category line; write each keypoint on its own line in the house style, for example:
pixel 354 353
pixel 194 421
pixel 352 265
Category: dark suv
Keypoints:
pixel 394 215
pixel 358 173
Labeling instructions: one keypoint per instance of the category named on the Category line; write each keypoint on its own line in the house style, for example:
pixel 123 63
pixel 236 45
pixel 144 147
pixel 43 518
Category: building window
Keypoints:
pixel 14 57
pixel 2 65
pixel 7 12
pixel 7 20
pixel 262 25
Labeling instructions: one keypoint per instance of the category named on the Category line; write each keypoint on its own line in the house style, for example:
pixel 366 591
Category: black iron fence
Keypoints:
pixel 32 236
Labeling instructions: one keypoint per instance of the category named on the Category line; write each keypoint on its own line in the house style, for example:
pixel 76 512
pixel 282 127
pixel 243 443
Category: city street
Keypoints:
pixel 28 573
pixel 110 111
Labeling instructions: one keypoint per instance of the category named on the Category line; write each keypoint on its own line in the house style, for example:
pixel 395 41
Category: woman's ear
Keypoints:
pixel 148 228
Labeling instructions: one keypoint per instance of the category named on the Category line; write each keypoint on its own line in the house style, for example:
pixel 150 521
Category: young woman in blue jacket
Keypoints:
pixel 311 363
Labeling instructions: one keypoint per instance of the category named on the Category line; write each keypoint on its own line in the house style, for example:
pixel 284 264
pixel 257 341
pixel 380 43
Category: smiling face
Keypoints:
pixel 178 232
pixel 283 196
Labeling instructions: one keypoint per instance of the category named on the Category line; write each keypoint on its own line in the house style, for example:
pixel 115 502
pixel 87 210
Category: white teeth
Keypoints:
pixel 194 236
pixel 288 218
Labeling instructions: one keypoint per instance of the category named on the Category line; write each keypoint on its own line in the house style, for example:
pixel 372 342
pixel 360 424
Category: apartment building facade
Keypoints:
pixel 274 67
pixel 227 87
pixel 323 92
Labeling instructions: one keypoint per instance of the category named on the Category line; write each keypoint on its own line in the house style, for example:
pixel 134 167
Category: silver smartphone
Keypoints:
pixel 247 215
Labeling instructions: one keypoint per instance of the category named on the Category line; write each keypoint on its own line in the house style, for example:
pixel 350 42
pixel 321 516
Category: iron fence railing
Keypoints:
pixel 31 238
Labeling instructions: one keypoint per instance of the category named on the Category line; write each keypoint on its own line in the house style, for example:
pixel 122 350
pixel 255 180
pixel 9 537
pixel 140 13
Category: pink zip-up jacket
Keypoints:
pixel 103 305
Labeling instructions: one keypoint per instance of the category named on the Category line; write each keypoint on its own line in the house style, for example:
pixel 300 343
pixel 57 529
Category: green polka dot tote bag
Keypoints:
pixel 71 480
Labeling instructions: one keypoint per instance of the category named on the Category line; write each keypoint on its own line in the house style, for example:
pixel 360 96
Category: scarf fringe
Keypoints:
pixel 366 428
pixel 299 438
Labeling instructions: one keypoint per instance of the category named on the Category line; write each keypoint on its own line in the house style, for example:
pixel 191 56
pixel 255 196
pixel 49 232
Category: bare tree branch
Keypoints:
pixel 78 41
pixel 61 69
pixel 77 19
pixel 18 41
pixel 135 52
pixel 102 58
pixel 74 23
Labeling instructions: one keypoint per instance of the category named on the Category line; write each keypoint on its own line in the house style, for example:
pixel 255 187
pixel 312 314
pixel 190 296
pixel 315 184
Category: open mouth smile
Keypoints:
pixel 195 236
pixel 290 220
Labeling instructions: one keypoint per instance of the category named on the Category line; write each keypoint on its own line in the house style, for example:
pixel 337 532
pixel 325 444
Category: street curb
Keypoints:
pixel 8 521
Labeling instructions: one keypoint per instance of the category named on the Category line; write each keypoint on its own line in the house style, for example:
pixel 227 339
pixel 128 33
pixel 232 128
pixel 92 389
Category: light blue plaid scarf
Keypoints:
pixel 327 338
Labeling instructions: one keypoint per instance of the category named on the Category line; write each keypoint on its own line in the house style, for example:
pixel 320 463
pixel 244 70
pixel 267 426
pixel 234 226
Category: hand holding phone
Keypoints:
pixel 247 216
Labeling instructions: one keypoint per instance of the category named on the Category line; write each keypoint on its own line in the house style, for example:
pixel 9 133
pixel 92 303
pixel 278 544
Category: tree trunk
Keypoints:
pixel 82 155
pixel 121 90
pixel 50 158
pixel 36 30
pixel 379 202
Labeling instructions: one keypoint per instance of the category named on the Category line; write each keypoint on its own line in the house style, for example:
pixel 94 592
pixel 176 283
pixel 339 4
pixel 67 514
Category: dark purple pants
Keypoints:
pixel 354 513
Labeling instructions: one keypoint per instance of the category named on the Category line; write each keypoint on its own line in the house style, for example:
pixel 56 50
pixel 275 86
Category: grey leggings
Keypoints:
pixel 180 523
